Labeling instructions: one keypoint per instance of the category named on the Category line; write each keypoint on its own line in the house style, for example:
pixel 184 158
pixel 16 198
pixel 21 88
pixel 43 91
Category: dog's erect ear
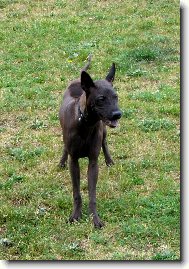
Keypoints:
pixel 111 75
pixel 86 81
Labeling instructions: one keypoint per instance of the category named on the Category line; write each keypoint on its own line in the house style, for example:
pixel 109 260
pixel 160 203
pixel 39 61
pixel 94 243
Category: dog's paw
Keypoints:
pixel 62 165
pixel 98 223
pixel 76 216
pixel 109 162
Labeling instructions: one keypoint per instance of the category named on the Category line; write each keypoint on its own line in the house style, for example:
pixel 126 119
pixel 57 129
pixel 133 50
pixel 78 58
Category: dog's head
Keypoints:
pixel 101 97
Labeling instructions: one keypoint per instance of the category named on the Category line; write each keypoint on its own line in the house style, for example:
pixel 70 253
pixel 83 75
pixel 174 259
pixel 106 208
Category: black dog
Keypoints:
pixel 88 106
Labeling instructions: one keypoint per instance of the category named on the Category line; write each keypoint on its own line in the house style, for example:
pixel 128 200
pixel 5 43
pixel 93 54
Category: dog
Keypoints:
pixel 88 107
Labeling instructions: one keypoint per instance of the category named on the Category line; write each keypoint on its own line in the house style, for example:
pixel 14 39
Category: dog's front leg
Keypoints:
pixel 92 181
pixel 75 175
pixel 105 149
pixel 107 155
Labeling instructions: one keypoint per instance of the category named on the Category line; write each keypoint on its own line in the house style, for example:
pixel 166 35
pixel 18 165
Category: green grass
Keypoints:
pixel 44 44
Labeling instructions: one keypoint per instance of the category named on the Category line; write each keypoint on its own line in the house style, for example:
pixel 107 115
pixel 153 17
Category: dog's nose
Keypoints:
pixel 116 115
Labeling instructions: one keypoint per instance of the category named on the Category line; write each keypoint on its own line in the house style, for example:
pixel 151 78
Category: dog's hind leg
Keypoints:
pixel 75 175
pixel 105 149
pixel 64 158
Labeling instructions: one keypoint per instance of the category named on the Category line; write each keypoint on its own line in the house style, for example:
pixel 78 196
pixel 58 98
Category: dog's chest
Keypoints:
pixel 84 143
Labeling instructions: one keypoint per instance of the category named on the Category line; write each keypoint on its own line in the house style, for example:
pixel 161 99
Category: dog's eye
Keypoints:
pixel 100 99
pixel 115 97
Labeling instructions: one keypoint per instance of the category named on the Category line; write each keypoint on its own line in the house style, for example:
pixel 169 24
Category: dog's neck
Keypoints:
pixel 82 110
pixel 86 114
pixel 83 115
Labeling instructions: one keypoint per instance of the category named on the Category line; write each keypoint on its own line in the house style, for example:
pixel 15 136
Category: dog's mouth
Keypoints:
pixel 111 123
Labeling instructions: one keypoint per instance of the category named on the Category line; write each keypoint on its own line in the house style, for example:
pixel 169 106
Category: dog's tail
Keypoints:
pixel 86 67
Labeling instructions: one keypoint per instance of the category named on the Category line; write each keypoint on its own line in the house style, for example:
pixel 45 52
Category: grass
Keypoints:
pixel 44 44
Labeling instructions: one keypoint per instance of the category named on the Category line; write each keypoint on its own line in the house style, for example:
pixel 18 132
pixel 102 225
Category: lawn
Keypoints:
pixel 44 44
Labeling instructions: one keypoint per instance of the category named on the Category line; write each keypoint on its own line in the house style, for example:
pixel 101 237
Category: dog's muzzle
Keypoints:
pixel 113 121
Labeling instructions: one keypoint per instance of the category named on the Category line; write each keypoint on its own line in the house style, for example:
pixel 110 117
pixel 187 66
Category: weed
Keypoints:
pixel 164 255
pixel 136 73
pixel 10 181
pixel 129 113
pixel 145 54
pixel 24 155
pixel 148 125
pixel 37 124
